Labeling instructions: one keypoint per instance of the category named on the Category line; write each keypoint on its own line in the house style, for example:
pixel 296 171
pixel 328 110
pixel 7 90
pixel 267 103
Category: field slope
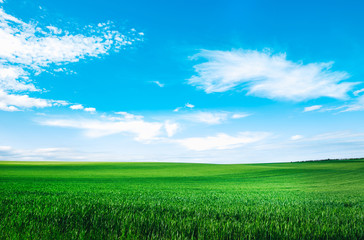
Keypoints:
pixel 58 200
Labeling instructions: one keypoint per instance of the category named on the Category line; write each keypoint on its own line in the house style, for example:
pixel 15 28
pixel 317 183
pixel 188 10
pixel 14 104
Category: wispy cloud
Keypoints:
pixel 129 124
pixel 264 74
pixel 222 141
pixel 15 102
pixel 240 115
pixel 208 117
pixel 339 136
pixel 142 130
pixel 129 116
pixel 159 83
pixel 357 92
pixel 171 128
pixel 296 137
pixel 39 154
pixel 187 105
pixel 356 105
pixel 212 117
pixel 312 108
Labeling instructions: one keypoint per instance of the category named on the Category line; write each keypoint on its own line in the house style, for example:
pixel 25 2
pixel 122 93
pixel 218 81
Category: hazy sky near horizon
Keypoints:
pixel 181 81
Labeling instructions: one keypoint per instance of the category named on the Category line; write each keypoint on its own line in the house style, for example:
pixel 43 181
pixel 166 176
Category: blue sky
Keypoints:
pixel 188 81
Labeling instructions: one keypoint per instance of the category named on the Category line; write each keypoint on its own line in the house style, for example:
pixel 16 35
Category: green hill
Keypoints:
pixel 59 200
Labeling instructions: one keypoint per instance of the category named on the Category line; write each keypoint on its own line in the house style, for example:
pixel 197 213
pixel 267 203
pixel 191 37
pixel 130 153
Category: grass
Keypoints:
pixel 58 200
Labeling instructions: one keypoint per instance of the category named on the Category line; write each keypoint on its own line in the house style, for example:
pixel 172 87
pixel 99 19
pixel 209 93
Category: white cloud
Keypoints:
pixel 29 45
pixel 266 75
pixel 333 108
pixel 59 103
pixel 357 105
pixel 4 148
pixel 171 128
pixel 239 115
pixel 39 154
pixel 122 123
pixel 189 105
pixel 339 135
pixel 13 102
pixel 14 78
pixel 159 83
pixel 222 141
pixel 90 109
pixel 77 107
pixel 129 116
pixel 127 123
pixel 207 117
pixel 296 137
pixel 312 108
pixel 54 30
pixel 143 131
pixel 27 49
pixel 357 92
pixel 212 117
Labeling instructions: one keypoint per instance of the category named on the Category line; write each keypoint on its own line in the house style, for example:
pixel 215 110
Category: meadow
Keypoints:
pixel 63 200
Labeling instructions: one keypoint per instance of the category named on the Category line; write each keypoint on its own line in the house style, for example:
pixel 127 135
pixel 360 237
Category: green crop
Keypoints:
pixel 59 200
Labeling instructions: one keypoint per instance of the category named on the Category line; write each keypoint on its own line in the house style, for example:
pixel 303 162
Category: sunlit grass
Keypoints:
pixel 313 200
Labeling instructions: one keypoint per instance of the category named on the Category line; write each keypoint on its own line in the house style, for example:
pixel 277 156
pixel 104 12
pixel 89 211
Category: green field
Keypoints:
pixel 58 200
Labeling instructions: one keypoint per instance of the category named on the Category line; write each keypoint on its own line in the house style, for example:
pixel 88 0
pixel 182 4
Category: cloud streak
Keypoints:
pixel 356 105
pixel 40 154
pixel 129 124
pixel 159 83
pixel 222 141
pixel 212 118
pixel 357 92
pixel 312 108
pixel 142 130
